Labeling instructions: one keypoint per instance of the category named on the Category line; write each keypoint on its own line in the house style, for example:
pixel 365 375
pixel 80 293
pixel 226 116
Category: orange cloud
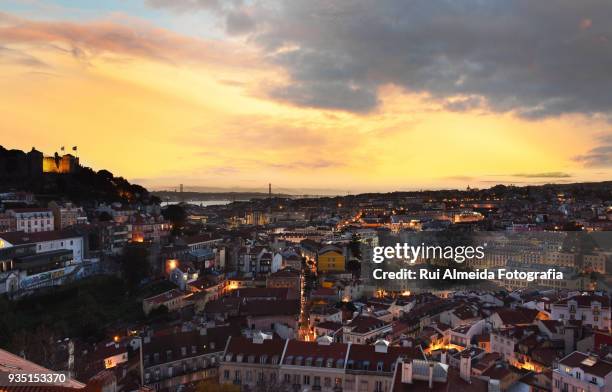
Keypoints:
pixel 124 36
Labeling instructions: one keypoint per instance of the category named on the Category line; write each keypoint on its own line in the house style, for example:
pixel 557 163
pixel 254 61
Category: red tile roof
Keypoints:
pixel 586 300
pixel 577 359
pixel 11 363
pixel 261 353
pixel 364 324
pixel 20 237
pixel 314 350
pixel 361 353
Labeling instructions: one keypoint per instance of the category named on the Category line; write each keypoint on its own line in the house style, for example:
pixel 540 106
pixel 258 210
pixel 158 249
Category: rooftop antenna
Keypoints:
pixel 269 190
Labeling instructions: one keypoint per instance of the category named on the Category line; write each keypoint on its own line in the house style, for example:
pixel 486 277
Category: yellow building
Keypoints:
pixel 330 259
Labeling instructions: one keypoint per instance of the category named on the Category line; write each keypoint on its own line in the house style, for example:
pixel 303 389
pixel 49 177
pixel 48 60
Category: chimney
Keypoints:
pixel 443 357
pixel 407 372
pixel 381 346
pixel 431 369
pixel 569 341
pixel 259 337
pixel 465 366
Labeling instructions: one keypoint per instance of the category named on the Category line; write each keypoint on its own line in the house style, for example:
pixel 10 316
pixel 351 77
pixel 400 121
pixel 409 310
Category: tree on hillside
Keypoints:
pixel 105 217
pixel 134 265
pixel 355 246
pixel 176 215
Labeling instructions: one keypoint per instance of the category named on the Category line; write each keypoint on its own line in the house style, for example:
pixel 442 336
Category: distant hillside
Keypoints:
pixel 24 171
pixel 203 196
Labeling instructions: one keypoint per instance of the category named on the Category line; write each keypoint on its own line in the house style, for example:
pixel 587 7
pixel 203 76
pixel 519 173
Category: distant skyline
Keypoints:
pixel 344 96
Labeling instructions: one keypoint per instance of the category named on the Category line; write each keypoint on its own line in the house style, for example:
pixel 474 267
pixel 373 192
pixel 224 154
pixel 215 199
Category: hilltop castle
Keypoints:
pixel 16 164
pixel 67 163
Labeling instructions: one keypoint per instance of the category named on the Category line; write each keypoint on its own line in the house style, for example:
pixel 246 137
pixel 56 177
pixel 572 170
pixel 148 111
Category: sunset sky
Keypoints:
pixel 312 94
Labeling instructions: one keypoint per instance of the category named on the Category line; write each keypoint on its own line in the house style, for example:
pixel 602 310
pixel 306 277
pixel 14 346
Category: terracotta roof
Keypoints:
pixel 212 340
pixel 324 292
pixel 20 237
pixel 366 355
pixel 330 325
pixel 285 272
pixel 464 312
pixel 316 351
pixel 164 297
pixel 261 353
pixel 454 383
pixel 552 325
pixel 330 248
pixel 513 317
pixel 223 305
pixel 11 363
pixel 264 307
pixel 585 300
pixel 498 372
pixel 597 367
pixel 364 324
pixel 261 292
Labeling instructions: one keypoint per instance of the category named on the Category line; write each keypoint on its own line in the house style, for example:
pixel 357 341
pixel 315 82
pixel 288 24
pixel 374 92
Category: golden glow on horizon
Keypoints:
pixel 206 123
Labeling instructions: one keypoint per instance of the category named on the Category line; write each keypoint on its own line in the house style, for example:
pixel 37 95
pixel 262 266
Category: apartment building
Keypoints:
pixel 182 357
pixel 32 220
pixel 323 365
pixel 365 329
pixel 582 372
pixel 591 309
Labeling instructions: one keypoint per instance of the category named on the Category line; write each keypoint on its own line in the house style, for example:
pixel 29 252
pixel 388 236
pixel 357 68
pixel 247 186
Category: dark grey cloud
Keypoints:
pixel 535 58
pixel 238 22
pixel 237 19
pixel 185 5
pixel 598 156
pixel 543 175
pixel 459 178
